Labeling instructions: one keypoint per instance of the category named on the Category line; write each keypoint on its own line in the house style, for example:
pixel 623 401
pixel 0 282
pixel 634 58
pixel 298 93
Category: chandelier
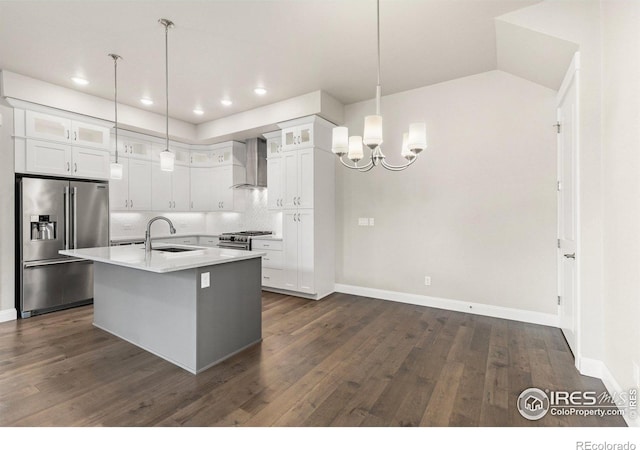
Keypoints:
pixel 413 142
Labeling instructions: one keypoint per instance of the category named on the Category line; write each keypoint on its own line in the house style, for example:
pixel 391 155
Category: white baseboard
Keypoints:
pixel 453 305
pixel 8 314
pixel 597 369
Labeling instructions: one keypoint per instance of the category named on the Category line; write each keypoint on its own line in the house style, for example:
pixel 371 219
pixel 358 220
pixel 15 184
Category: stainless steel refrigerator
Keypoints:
pixel 53 215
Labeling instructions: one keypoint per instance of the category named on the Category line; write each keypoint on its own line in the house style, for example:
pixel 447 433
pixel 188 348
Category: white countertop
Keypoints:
pixel 133 256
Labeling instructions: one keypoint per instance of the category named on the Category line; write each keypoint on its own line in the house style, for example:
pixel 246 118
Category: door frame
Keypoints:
pixel 572 75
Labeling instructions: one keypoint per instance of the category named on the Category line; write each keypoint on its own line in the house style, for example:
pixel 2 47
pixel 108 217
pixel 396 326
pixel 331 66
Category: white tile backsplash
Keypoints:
pixel 256 216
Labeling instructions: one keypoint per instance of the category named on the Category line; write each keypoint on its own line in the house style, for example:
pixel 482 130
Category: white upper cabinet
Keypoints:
pixel 298 179
pixel 226 198
pixel 48 158
pixel 274 183
pixel 52 158
pixel 89 135
pixel 202 184
pixel 45 126
pixel 60 129
pixel 133 148
pixel 274 170
pixel 297 137
pixel 133 191
pixel 170 190
pixel 306 132
pixel 90 162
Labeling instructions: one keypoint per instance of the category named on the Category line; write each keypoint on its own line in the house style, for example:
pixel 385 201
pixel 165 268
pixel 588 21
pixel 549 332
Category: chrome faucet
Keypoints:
pixel 147 235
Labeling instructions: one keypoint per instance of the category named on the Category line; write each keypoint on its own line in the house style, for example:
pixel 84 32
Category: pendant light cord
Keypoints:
pixel 378 88
pixel 166 55
pixel 115 95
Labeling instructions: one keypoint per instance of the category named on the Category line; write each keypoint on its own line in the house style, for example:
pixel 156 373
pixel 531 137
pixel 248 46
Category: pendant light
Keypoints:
pixel 413 142
pixel 116 167
pixel 167 158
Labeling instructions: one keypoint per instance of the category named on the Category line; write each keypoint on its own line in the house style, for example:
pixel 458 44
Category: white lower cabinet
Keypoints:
pixel 272 262
pixel 298 245
pixel 51 158
pixel 208 241
pixel 133 191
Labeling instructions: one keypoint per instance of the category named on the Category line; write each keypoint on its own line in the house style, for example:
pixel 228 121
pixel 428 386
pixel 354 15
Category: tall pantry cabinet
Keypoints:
pixel 306 196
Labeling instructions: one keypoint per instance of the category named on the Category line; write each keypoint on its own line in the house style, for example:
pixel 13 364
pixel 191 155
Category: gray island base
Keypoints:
pixel 172 316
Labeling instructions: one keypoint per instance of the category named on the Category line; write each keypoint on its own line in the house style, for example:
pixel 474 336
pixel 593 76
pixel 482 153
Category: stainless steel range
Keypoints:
pixel 240 240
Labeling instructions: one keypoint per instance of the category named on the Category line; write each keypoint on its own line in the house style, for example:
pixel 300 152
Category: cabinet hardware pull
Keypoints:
pixel 67 134
pixel 266 277
pixel 169 203
pixel 132 203
pixel 126 203
pixel 191 205
pixel 68 167
pixel 75 135
pixel 75 167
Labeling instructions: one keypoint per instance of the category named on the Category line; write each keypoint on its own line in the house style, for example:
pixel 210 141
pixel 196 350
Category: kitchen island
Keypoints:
pixel 192 306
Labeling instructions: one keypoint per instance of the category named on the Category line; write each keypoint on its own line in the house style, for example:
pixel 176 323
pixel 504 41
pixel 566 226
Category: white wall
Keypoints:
pixel 132 225
pixel 7 206
pixel 621 154
pixel 476 212
pixel 579 22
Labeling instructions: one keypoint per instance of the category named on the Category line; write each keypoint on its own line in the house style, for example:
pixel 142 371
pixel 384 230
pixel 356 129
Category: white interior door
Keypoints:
pixel 567 205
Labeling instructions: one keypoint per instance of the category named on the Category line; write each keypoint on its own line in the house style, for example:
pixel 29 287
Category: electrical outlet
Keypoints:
pixel 363 222
pixel 371 221
pixel 636 374
pixel 427 281
pixel 205 280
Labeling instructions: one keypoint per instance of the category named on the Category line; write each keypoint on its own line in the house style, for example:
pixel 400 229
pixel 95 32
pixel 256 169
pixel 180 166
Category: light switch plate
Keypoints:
pixel 363 222
pixel 371 221
pixel 205 280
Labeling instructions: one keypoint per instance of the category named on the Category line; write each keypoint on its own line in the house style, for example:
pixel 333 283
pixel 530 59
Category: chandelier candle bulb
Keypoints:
pixel 340 141
pixel 417 137
pixel 406 153
pixel 355 148
pixel 372 131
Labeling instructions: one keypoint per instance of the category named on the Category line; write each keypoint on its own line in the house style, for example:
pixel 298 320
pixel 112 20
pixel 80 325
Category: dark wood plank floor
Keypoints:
pixel 342 361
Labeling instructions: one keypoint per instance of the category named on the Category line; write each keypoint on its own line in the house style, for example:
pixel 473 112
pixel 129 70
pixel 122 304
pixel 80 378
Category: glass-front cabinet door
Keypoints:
pixel 45 126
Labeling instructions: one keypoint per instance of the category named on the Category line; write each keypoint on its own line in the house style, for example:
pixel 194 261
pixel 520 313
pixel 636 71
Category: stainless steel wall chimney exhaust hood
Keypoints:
pixel 256 167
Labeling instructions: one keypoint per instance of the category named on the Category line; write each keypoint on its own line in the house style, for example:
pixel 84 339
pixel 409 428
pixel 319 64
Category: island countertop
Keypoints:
pixel 133 256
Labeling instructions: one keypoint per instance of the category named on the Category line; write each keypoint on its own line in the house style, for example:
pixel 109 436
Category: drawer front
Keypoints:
pixel 208 241
pixel 272 278
pixel 272 259
pixel 257 244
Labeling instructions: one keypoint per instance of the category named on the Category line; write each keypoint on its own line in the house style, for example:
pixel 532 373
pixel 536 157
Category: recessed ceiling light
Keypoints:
pixel 260 91
pixel 79 81
pixel 198 111
pixel 226 102
pixel 146 101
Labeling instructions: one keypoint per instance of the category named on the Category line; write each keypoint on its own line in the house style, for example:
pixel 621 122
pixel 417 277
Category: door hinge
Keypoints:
pixel 558 126
pixel 558 243
pixel 559 185
pixel 559 299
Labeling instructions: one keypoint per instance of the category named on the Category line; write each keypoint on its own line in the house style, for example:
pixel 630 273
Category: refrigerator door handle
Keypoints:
pixel 53 263
pixel 74 195
pixel 66 218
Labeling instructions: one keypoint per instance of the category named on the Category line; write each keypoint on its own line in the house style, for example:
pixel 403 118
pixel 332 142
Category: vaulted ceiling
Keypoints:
pixel 223 49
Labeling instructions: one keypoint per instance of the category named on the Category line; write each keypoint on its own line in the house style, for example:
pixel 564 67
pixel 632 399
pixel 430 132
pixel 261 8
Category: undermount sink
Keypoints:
pixel 176 249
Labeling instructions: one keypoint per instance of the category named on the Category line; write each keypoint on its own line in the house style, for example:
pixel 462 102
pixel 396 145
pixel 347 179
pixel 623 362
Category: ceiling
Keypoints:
pixel 223 49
